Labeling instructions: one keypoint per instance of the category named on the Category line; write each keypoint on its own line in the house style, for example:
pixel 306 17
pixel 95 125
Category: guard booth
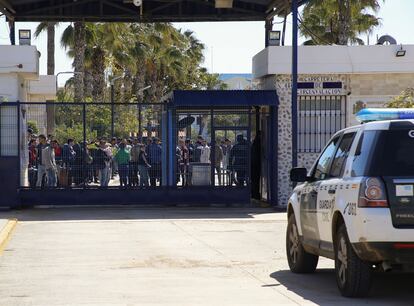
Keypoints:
pixel 215 147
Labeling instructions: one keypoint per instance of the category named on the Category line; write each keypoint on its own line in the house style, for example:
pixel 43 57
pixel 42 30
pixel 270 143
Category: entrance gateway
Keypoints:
pixel 248 119
pixel 150 11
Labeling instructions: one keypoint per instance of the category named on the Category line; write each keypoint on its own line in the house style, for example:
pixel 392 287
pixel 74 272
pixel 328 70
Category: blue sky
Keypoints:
pixel 230 46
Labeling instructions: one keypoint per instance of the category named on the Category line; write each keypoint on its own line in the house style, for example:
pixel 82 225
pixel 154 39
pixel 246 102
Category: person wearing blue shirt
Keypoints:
pixel 154 152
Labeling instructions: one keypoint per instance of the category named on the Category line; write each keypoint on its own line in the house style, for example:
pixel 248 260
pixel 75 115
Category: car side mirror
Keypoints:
pixel 298 175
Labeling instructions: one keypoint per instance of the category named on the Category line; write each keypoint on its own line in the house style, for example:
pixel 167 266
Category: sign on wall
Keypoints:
pixel 317 85
pixel 320 86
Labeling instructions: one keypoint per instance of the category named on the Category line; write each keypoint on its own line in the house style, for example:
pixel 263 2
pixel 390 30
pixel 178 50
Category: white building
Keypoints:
pixel 334 83
pixel 20 82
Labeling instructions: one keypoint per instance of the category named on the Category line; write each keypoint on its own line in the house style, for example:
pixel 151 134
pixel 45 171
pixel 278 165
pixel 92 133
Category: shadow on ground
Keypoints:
pixel 320 288
pixel 131 213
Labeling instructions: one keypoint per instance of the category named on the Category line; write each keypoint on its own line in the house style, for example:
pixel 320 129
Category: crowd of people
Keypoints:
pixel 134 161
pixel 230 161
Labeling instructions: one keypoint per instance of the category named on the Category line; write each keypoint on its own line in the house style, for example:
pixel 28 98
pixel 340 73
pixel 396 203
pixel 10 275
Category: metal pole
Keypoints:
pixel 294 81
pixel 257 113
pixel 140 120
pixel 112 109
pixel 12 33
pixel 19 140
pixel 212 150
pixel 268 28
pixel 83 148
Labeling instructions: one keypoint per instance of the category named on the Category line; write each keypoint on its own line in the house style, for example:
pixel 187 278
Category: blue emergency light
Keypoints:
pixel 377 114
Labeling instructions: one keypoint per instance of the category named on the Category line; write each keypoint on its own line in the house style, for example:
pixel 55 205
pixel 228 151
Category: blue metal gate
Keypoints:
pixel 176 152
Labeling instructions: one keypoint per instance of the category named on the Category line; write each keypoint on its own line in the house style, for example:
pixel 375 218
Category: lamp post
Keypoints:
pixel 294 96
pixel 140 110
pixel 112 83
pixel 65 72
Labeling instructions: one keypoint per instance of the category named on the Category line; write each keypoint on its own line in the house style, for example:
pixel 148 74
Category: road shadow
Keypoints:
pixel 320 288
pixel 132 213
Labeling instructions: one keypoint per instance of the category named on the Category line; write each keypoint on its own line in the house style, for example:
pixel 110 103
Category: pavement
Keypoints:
pixel 160 256
pixel 6 229
pixel 3 223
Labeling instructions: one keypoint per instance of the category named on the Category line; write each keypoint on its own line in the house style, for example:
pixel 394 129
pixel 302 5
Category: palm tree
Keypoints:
pixel 338 21
pixel 49 28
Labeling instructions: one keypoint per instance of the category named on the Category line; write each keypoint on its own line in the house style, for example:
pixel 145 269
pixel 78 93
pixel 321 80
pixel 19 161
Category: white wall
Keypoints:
pixel 9 87
pixel 12 56
pixel 18 65
pixel 334 60
pixel 43 88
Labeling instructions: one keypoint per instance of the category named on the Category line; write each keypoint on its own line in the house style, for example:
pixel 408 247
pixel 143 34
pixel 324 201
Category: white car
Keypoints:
pixel 356 205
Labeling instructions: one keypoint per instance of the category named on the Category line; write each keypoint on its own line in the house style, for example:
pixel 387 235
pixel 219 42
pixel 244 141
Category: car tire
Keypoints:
pixel 353 276
pixel 299 260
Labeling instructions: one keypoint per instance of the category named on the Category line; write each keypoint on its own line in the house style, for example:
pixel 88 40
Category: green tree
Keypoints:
pixel 33 125
pixel 155 55
pixel 404 100
pixel 74 37
pixel 338 22
pixel 49 28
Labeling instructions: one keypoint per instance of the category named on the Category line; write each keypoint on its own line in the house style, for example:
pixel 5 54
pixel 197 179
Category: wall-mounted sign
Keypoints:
pixel 319 86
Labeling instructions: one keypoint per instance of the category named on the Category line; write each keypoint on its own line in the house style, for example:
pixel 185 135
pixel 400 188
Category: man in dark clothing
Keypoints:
pixel 78 164
pixel 154 152
pixel 68 154
pixel 41 169
pixel 197 149
pixel 239 158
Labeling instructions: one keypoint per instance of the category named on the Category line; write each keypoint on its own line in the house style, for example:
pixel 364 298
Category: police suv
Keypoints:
pixel 356 204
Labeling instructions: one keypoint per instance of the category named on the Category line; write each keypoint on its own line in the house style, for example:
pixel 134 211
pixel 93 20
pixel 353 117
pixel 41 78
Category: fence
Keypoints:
pixel 128 146
pixel 319 117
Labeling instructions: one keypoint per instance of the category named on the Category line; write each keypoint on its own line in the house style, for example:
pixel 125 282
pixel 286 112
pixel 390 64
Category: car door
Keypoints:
pixel 309 195
pixel 329 190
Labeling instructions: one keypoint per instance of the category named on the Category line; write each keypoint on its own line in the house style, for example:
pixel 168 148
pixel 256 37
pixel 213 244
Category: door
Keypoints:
pixel 329 190
pixel 231 157
pixel 309 196
pixel 264 179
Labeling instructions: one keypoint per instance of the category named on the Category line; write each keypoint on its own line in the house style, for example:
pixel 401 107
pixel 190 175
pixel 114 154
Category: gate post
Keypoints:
pixel 9 155
pixel 273 156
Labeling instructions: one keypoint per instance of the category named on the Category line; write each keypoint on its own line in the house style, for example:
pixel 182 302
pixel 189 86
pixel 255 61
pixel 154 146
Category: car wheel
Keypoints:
pixel 299 260
pixel 353 276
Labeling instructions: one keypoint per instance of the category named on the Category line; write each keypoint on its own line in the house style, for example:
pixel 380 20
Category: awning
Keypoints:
pixel 218 98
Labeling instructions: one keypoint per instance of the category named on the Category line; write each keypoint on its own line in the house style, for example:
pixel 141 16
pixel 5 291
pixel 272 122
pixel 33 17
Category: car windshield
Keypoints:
pixel 394 153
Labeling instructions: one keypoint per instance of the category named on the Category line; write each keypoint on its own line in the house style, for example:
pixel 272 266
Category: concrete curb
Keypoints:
pixel 5 233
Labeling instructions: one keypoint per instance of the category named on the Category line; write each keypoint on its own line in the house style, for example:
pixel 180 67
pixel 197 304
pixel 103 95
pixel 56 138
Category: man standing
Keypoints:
pixel 154 159
pixel 41 170
pixel 239 156
pixel 133 168
pixel 68 160
pixel 49 163
pixel 204 152
pixel 226 146
pixel 103 163
pixel 218 158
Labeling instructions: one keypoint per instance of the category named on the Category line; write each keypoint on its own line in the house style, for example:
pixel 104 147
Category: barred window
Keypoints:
pixel 319 117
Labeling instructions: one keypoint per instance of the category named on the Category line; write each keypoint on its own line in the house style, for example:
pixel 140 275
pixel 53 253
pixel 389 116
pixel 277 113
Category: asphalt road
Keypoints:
pixel 158 256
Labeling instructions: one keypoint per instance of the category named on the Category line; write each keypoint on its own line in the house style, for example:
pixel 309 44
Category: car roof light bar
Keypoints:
pixel 378 114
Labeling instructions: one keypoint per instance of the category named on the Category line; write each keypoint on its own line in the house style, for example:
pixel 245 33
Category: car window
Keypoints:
pixel 363 153
pixel 341 155
pixel 322 167
pixel 394 154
